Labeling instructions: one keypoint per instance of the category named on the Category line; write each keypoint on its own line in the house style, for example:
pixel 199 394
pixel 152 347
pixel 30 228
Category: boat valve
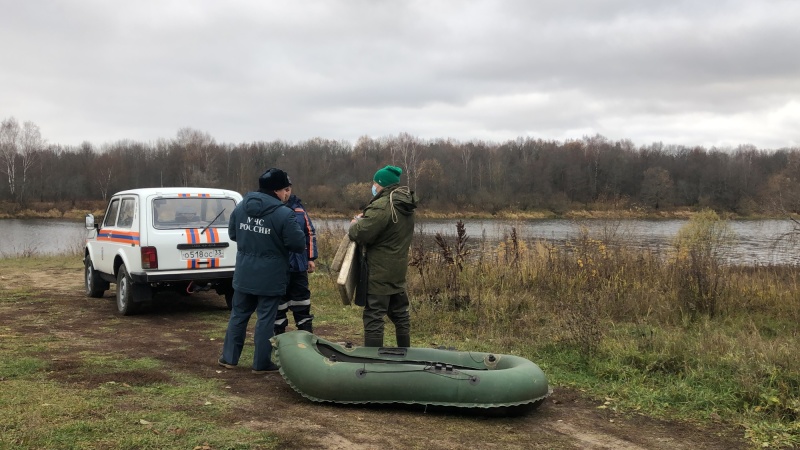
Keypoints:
pixel 491 361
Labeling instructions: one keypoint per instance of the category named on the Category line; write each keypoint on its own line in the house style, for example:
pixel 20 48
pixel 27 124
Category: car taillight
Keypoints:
pixel 149 258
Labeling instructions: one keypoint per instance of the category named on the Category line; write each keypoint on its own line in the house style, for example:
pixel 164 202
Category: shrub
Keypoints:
pixel 700 248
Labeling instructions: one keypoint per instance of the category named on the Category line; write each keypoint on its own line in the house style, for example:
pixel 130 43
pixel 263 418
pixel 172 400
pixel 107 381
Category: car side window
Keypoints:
pixel 111 215
pixel 126 213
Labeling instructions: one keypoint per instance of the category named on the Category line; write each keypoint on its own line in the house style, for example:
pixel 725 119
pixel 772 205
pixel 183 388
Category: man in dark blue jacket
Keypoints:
pixel 298 296
pixel 265 232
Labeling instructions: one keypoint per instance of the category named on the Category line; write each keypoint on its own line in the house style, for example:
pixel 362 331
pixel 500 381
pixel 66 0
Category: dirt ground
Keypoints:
pixel 173 333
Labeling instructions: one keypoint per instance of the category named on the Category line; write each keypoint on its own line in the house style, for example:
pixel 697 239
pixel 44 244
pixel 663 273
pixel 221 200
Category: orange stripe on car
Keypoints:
pixel 189 240
pixel 121 237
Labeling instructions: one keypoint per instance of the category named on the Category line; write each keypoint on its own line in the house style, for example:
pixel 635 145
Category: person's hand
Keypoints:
pixel 356 217
pixel 312 266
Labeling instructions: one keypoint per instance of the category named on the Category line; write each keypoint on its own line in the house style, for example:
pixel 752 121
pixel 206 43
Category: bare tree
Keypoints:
pixel 103 173
pixel 783 188
pixel 248 160
pixel 466 157
pixel 30 144
pixel 594 147
pixel 9 141
pixel 656 187
pixel 198 157
pixel 430 177
pixel 408 148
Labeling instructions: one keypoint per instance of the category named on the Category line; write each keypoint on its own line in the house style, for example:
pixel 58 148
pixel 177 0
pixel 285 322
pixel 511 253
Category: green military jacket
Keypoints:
pixel 385 230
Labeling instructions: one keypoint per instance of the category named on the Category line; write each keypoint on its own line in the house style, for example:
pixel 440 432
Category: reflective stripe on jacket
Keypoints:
pixel 298 261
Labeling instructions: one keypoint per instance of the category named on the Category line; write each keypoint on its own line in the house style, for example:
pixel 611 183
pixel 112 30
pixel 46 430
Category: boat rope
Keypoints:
pixel 473 359
pixel 439 369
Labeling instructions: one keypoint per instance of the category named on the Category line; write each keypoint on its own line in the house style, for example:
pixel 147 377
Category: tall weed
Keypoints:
pixel 700 274
pixel 679 332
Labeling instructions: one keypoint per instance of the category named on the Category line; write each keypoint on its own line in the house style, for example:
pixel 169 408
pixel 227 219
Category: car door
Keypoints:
pixel 119 233
pixel 101 262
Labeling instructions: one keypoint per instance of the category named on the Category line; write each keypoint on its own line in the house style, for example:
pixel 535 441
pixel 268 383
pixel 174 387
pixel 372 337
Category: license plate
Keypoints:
pixel 202 254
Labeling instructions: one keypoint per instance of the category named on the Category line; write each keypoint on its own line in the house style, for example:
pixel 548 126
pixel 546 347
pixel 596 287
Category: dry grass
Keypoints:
pixel 71 210
pixel 678 332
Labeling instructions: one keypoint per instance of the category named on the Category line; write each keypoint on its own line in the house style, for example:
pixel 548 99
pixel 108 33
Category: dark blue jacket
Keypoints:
pixel 265 231
pixel 298 262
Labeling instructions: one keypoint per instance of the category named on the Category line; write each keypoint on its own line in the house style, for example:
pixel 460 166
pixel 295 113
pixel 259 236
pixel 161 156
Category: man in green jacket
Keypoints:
pixel 385 229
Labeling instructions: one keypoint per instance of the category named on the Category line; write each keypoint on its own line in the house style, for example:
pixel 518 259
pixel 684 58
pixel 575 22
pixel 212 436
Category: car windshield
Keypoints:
pixel 193 212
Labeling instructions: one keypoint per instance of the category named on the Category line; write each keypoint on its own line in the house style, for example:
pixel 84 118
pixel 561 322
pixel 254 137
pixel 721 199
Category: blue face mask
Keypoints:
pixel 374 190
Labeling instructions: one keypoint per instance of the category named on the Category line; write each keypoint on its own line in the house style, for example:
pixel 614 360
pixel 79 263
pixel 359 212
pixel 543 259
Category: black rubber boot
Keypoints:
pixel 373 341
pixel 280 330
pixel 306 327
pixel 403 340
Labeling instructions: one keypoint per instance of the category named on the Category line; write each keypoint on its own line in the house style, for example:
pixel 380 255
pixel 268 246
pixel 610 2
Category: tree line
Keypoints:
pixel 448 175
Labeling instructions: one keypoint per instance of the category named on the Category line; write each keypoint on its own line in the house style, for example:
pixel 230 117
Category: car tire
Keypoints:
pixel 95 286
pixel 126 303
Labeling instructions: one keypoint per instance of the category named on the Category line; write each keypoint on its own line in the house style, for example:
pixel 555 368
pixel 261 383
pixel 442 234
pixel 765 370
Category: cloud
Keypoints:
pixel 676 72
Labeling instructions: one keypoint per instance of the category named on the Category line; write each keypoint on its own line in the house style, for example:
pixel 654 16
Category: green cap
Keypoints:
pixel 388 175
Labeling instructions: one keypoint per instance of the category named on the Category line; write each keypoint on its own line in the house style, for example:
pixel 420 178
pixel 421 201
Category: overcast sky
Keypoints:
pixel 721 73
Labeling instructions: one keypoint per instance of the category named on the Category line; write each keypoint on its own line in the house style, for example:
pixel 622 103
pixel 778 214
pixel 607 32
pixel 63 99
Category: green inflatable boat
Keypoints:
pixel 325 371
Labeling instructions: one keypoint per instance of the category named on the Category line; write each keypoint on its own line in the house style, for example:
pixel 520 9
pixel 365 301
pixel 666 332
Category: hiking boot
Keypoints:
pixel 306 326
pixel 373 341
pixel 226 364
pixel 403 340
pixel 271 368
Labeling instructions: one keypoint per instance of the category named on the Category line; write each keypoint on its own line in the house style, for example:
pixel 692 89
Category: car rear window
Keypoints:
pixel 169 213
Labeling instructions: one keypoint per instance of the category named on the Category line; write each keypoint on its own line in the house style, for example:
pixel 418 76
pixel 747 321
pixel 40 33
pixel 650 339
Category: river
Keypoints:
pixel 757 242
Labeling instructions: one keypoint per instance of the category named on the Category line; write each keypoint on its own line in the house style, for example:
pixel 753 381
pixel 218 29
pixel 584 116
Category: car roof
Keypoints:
pixel 147 192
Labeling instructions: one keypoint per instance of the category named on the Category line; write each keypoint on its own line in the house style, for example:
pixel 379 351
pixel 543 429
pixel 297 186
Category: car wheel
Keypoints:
pixel 95 286
pixel 125 288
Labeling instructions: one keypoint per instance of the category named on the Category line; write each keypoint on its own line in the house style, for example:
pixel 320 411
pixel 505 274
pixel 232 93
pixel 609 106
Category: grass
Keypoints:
pixel 673 335
pixel 678 335
pixel 179 411
pixel 69 262
pixel 108 401
pixel 54 397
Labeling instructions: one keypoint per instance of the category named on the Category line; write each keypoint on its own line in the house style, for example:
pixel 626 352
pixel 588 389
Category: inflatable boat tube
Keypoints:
pixel 324 371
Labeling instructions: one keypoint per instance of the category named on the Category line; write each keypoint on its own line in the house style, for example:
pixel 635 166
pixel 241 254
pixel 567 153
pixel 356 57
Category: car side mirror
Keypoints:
pixel 89 221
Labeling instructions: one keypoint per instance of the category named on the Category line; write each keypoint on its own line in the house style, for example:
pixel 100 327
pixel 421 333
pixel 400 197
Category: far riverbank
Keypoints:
pixel 78 210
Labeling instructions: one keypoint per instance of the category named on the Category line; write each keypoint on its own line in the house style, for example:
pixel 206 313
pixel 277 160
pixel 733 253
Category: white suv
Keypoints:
pixel 161 238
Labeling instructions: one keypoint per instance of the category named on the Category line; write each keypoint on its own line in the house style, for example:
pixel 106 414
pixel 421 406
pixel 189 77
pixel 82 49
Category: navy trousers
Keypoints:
pixel 244 305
